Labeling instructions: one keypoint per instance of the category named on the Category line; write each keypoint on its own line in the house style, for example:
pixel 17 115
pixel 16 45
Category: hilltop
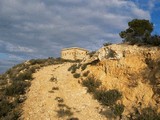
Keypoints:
pixel 118 81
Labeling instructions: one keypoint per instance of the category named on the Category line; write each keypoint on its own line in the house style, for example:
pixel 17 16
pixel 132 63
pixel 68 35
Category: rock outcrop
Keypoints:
pixel 133 70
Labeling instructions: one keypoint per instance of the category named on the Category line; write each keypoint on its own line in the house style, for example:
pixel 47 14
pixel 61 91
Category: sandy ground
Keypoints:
pixel 59 99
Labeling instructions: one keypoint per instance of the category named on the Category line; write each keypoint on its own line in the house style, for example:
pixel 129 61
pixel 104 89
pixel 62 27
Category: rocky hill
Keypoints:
pixel 132 70
pixel 118 81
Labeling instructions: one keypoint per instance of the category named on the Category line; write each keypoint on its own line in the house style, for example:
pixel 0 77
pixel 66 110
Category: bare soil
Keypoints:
pixel 61 98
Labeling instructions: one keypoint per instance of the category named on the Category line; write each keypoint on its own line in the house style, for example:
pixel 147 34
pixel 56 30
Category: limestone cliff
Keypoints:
pixel 133 70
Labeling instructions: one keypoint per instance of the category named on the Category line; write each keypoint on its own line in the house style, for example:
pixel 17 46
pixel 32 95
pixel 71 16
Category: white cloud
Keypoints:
pixel 15 48
pixel 151 4
pixel 41 28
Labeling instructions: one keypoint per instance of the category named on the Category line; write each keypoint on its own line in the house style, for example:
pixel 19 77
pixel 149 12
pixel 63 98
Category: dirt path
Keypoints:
pixel 59 99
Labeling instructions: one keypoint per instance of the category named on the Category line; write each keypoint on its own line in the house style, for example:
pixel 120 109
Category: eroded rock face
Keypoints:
pixel 106 52
pixel 117 52
pixel 133 70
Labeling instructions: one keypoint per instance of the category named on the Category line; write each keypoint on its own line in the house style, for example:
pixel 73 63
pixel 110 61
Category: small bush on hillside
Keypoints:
pixel 91 83
pixel 73 68
pixel 27 75
pixel 55 88
pixel 76 75
pixel 17 88
pixel 85 74
pixel 118 109
pixel 62 112
pixel 32 69
pixel 147 114
pixel 107 97
pixel 53 79
pixel 3 80
pixel 2 77
pixel 5 107
pixel 107 44
pixel 13 115
pixel 37 61
pixel 84 66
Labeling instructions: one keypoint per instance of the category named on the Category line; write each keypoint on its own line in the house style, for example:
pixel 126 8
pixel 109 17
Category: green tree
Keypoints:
pixel 139 31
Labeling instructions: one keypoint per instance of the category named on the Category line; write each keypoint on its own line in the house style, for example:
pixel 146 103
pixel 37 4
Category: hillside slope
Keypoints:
pixel 121 82
pixel 60 98
pixel 132 70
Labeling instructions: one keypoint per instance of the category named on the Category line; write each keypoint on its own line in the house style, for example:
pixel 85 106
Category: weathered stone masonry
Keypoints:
pixel 73 53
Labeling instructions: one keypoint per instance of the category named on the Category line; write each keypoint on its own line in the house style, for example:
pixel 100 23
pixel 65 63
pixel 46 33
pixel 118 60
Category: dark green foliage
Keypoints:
pixel 27 75
pixel 138 31
pixel 64 110
pixel 3 80
pixel 5 107
pixel 73 68
pixel 62 113
pixel 73 118
pixel 76 75
pixel 111 53
pixel 13 115
pixel 154 40
pixel 55 88
pixel 107 44
pixel 84 66
pixel 17 85
pixel 59 99
pixel 85 74
pixel 107 97
pixel 140 26
pixel 53 79
pixel 118 109
pixel 147 114
pixel 49 61
pixel 6 110
pixel 37 61
pixel 17 88
pixel 91 83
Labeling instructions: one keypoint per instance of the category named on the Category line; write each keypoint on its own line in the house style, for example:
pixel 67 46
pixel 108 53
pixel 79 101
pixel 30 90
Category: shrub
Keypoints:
pixel 32 69
pixel 5 107
pixel 85 74
pixel 84 66
pixel 37 61
pixel 55 88
pixel 27 75
pixel 118 109
pixel 53 79
pixel 91 83
pixel 62 112
pixel 76 75
pixel 17 88
pixel 147 114
pixel 13 115
pixel 107 97
pixel 73 68
pixel 107 44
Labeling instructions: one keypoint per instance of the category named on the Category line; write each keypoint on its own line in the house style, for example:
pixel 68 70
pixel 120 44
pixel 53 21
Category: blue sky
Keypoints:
pixel 41 28
pixel 153 6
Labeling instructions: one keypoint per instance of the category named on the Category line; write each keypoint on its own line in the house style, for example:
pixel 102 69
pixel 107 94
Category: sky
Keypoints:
pixel 41 28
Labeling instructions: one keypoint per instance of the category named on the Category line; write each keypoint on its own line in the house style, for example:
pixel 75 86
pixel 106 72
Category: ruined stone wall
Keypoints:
pixel 73 53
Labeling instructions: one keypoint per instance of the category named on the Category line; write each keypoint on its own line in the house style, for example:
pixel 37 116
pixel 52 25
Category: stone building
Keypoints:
pixel 73 53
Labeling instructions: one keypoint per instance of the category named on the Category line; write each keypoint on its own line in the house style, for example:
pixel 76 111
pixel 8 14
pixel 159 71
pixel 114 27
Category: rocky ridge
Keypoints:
pixel 133 70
